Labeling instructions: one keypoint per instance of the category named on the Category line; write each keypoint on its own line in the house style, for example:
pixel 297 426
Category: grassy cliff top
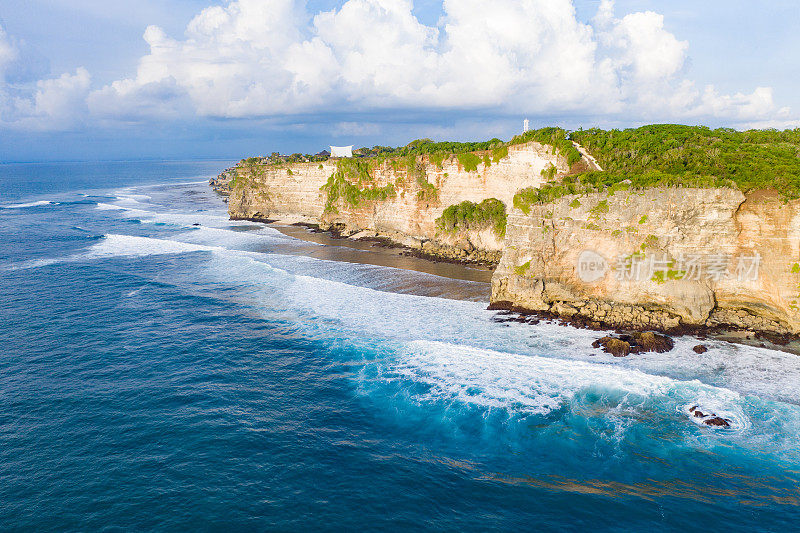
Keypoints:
pixel 695 155
pixel 674 155
pixel 437 151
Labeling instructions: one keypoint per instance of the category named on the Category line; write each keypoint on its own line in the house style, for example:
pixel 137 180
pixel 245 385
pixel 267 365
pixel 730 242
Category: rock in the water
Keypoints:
pixel 636 342
pixel 654 342
pixel 710 419
pixel 616 347
pixel 717 422
pixel 700 349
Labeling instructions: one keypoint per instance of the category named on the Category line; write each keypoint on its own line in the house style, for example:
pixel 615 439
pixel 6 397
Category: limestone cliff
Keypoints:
pixel 399 199
pixel 651 257
pixel 657 258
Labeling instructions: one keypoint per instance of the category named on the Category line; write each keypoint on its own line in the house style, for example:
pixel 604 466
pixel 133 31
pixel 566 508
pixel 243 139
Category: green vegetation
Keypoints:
pixel 499 153
pixel 670 275
pixel 600 209
pixel 522 269
pixel 558 138
pixel 643 220
pixel 490 213
pixel 346 183
pixel 574 204
pixel 695 156
pixel 650 242
pixel 427 191
pixel 437 158
pixel 428 147
pixel 469 161
pixel 545 194
pixel 549 173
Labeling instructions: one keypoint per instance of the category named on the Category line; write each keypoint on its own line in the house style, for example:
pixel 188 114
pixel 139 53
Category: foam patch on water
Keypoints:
pixel 38 203
pixel 130 245
pixel 540 385
pixel 346 307
pixel 101 206
pixel 135 211
pixel 114 245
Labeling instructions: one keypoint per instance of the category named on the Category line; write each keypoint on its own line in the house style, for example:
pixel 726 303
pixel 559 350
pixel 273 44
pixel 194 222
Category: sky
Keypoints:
pixel 187 79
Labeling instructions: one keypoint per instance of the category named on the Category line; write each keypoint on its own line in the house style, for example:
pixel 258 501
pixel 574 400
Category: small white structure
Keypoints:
pixel 342 151
pixel 526 125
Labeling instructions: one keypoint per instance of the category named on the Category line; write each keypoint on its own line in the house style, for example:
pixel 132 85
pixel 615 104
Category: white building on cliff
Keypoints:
pixel 342 151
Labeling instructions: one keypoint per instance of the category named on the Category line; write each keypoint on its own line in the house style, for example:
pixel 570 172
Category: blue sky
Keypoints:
pixel 91 79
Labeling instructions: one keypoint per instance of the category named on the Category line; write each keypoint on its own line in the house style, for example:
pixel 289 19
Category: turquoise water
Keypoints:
pixel 161 375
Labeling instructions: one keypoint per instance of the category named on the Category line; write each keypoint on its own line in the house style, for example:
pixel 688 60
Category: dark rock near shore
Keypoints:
pixel 635 342
pixel 616 347
pixel 653 342
pixel 717 422
pixel 700 349
pixel 710 419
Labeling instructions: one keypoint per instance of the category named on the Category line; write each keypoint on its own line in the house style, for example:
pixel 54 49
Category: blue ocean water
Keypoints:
pixel 163 368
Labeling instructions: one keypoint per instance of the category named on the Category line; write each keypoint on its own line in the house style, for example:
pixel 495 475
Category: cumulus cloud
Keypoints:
pixel 261 58
pixel 269 58
pixel 8 52
pixel 50 104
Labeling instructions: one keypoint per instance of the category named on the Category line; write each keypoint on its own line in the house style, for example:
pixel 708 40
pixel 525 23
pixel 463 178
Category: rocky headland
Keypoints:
pixel 576 229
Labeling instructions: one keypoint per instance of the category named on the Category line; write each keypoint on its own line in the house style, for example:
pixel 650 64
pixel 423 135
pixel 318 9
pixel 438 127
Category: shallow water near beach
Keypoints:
pixel 166 368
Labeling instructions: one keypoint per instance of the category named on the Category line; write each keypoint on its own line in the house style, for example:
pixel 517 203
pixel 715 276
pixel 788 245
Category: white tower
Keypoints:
pixel 526 125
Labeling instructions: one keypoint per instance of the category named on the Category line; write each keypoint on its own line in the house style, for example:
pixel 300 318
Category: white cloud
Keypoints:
pixel 8 52
pixel 266 58
pixel 58 103
pixel 259 58
pixel 356 129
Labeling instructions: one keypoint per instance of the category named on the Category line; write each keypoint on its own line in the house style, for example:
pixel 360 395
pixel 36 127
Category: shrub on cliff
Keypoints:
pixel 469 161
pixel 427 191
pixel 558 138
pixel 490 213
pixel 346 183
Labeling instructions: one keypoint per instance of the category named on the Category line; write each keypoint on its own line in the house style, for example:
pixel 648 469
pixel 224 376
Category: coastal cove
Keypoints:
pixel 690 234
pixel 158 354
pixel 382 253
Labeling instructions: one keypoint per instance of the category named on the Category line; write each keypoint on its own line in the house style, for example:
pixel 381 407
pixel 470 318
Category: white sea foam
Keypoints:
pixel 129 245
pixel 136 211
pixel 540 385
pixel 342 309
pixel 101 206
pixel 114 245
pixel 29 204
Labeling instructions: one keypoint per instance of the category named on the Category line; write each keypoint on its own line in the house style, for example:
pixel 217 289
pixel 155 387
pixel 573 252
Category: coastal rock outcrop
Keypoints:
pixel 634 342
pixel 709 419
pixel 597 252
pixel 657 258
pixel 399 200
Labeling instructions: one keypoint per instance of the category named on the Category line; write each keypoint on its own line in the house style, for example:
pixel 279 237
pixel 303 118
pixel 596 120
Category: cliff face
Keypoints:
pixel 654 258
pixel 419 190
pixel 657 258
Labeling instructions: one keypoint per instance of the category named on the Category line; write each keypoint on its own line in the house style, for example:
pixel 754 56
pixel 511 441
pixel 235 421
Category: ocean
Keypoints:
pixel 163 368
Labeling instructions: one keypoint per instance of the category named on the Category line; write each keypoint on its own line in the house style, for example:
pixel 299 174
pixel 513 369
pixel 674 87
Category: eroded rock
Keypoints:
pixel 710 419
pixel 636 342
pixel 616 347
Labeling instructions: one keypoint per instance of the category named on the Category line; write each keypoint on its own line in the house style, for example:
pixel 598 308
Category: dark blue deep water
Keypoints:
pixel 156 374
